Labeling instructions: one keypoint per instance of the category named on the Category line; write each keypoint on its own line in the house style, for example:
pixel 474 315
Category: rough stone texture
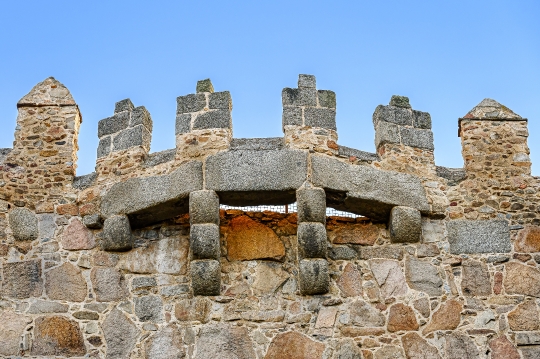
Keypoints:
pixel 109 284
pixel 120 335
pixel 447 317
pixel 22 279
pixel 528 240
pixel 11 330
pixel 248 240
pixel 320 117
pixel 77 237
pixel 460 346
pixel 158 158
pixel 205 277
pixel 358 233
pixel 389 276
pixel 524 317
pixel 83 182
pixel 347 349
pixel 116 235
pixel 416 347
pixel 389 352
pixel 294 345
pixel 453 175
pixel 93 221
pixel 196 309
pixel 522 279
pixel 24 224
pixel 65 283
pixel 423 276
pixel 313 276
pixel 166 344
pixel 311 240
pixel 491 109
pixel 405 225
pixel 44 307
pixel 350 281
pixel 502 348
pixel 57 336
pixel 191 103
pixel 149 308
pixel 532 352
pixel 258 144
pixel 417 138
pixel 213 119
pixel 204 207
pixel 476 280
pixel 268 278
pixel 116 123
pixel 401 317
pixel 311 204
pixel 478 236
pixel 363 314
pixel 204 241
pixel 226 342
pixel 357 154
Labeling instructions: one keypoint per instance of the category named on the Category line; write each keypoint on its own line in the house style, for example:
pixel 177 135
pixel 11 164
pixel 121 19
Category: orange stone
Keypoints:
pixel 447 317
pixel 528 240
pixel 401 317
pixel 57 336
pixel 71 209
pixel 360 233
pixel 294 345
pixel 248 240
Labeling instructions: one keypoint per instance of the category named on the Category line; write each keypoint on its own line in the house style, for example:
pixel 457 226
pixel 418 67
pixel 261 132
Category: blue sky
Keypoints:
pixel 446 56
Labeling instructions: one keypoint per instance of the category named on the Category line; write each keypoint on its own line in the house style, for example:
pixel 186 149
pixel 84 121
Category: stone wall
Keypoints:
pixel 137 260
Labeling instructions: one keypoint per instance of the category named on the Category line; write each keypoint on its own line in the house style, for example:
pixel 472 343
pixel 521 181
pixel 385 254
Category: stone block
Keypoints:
pixel 296 345
pixel 311 204
pixel 57 336
pixel 220 101
pixel 132 137
pixel 311 240
pixel 83 182
pixel 320 117
pixel 417 138
pixel 405 225
pixel 190 103
pixel 391 114
pixel 225 342
pixel 453 175
pixel 45 307
pixel 120 334
pixel 168 256
pixel 141 116
pixel 423 276
pixel 400 101
pixel 22 280
pixel 77 236
pixel 205 86
pixel 314 277
pixel 306 81
pixel 204 241
pixel 104 147
pixel 204 207
pixel 167 343
pixel 522 279
pixel 366 190
pixel 65 282
pixel 116 235
pixel 488 236
pixel 386 132
pixel 257 144
pixel 205 277
pixel 183 123
pixel 24 224
pixel 149 308
pixel 292 116
pixel 109 284
pixel 256 177
pixel 213 119
pixel 11 330
pixel 303 96
pixel 421 120
pixel 327 98
pixel 360 155
pixel 93 221
pixel 124 105
pixel 476 280
pixel 158 158
pixel 110 125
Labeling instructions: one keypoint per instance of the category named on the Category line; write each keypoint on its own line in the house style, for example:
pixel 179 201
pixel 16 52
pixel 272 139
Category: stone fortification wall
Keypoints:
pixel 137 260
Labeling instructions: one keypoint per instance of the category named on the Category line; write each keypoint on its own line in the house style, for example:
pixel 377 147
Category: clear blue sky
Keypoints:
pixel 446 56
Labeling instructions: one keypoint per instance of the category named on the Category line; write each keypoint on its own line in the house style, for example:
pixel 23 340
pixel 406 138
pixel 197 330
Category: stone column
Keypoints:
pixel 204 242
pixel 313 275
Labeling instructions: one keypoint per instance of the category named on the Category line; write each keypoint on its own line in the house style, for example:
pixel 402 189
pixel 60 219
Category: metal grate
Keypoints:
pixel 290 208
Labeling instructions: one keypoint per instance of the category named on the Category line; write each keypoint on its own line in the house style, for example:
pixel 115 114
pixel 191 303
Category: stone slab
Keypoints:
pixel 258 144
pixel 158 158
pixel 360 155
pixel 489 236
pixel 191 103
pixel 24 224
pixel 292 116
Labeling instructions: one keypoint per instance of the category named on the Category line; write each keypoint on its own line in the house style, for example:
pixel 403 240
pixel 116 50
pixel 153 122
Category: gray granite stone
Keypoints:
pixel 149 308
pixel 417 138
pixel 205 277
pixel 104 147
pixel 314 277
pixel 405 225
pixel 213 119
pixel 421 120
pixel 204 241
pixel 109 284
pixel 303 96
pixel 158 158
pixel 45 306
pixel 460 346
pixel 116 235
pixel 141 116
pixel 204 207
pixel 4 152
pixel 24 224
pixel 83 182
pixel 311 204
pixel 292 116
pixel 220 101
pixel 143 282
pixel 120 335
pixel 205 86
pixel 488 236
pixel 257 144
pixel 93 221
pixel 528 338
pixel 307 81
pixel 387 252
pixel 132 137
pixel 327 98
pixel 183 123
pixel 453 175
pixel 400 101
pixel 360 155
pixel 311 240
pixel 224 342
pixel 423 276
pixel 190 103
pixel 342 253
pixel 124 105
pixel 391 114
pixel 320 117
pixel 110 125
pixel 386 132
pixel 22 280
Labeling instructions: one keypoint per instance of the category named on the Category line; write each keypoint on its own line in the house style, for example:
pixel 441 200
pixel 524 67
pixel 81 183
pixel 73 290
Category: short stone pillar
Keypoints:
pixel 405 225
pixel 313 274
pixel 204 243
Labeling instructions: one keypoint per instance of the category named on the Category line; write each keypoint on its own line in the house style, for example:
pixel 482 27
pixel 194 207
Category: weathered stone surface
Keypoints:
pixel 320 117
pixel 524 317
pixel 104 147
pixel 255 177
pixel 220 100
pixel 369 191
pixel 401 317
pixel 120 335
pixel 389 352
pixel 93 221
pixel 226 342
pixel 427 250
pixel 311 204
pixel 168 256
pixel 65 283
pixel 149 308
pixel 386 132
pixel 502 348
pixel 363 314
pixel 388 252
pixel 389 277
pixel 86 315
pixel 418 138
pixel 491 109
pixel 312 240
pixel 190 103
pixel 522 279
pixel 22 279
pixel 183 123
pixel 204 241
pixel 268 277
pixel 447 317
pixel 258 144
pixel 358 233
pixel 476 280
pixel 248 240
pixel 113 124
pixel 57 336
pixel 141 116
pixel 43 307
pixel 405 225
pixel 313 276
pixel 350 281
pixel 347 349
pixel 116 235
pixel 205 277
pixel 292 116
pixel 342 253
pixel 76 236
pixel 532 352
pixel 24 224
pixel 421 120
pixel 205 86
pixel 453 175
pixel 166 344
pixel 46 93
pixel 213 119
pixel 490 236
pixel 196 309
pixel 358 154
pixel 294 345
pixel 303 96
pixel 416 347
pixel 422 306
pixel 11 330
pixel 460 346
pixel 528 240
pixel 204 207
pixel 423 276
pixel 527 338
pixel 152 199
pixel 158 158
pixel 109 284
